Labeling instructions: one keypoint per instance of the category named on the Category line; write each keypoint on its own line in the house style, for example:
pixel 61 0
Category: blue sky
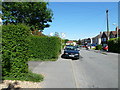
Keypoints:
pixel 79 20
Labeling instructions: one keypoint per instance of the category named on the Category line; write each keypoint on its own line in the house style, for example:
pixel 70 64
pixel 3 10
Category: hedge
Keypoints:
pixel 44 47
pixel 114 45
pixel 15 54
pixel 98 47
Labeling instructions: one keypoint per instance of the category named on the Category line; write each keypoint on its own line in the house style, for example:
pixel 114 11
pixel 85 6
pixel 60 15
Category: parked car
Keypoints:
pixel 78 47
pixel 71 52
pixel 83 46
pixel 105 48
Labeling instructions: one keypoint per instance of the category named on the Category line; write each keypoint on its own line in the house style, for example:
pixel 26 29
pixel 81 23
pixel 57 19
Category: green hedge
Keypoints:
pixel 44 47
pixel 15 54
pixel 114 45
pixel 98 47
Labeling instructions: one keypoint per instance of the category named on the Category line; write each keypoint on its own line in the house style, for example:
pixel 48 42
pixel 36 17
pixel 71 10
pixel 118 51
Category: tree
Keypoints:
pixel 34 14
pixel 74 40
pixel 56 34
pixel 79 42
pixel 66 40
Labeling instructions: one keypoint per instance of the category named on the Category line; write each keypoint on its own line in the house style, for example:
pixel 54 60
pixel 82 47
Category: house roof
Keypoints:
pixel 69 41
pixel 98 36
pixel 106 33
pixel 114 32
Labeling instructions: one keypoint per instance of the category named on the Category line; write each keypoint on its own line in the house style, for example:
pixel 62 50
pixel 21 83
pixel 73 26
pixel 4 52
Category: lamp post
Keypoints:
pixel 107 23
pixel 62 36
pixel 116 27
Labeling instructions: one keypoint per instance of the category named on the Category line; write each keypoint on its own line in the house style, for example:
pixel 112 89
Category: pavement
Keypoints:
pixel 93 70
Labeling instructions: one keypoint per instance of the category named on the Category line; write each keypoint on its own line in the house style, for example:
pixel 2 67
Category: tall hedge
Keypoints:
pixel 45 47
pixel 114 45
pixel 15 41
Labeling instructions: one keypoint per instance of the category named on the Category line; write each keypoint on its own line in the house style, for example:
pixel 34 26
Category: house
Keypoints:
pixel 104 38
pixel 94 41
pixel 119 33
pixel 70 43
pixel 97 39
pixel 113 34
pixel 89 41
pixel 82 42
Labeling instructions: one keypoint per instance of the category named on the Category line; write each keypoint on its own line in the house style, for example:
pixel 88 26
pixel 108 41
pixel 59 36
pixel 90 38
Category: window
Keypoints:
pixel 103 39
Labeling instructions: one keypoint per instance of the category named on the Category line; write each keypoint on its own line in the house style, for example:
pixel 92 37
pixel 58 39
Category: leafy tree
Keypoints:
pixel 66 40
pixel 35 14
pixel 79 42
pixel 74 40
pixel 56 34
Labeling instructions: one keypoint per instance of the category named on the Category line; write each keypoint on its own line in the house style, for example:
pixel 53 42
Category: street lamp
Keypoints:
pixel 117 28
pixel 62 36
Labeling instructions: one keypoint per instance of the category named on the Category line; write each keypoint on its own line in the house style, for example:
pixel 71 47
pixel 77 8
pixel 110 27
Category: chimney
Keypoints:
pixel 100 33
pixel 116 28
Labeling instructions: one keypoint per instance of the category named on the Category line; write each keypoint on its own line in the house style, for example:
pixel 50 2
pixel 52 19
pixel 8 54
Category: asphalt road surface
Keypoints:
pixel 92 70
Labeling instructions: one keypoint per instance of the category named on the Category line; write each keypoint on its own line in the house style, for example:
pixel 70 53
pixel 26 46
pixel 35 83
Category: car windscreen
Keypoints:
pixel 70 48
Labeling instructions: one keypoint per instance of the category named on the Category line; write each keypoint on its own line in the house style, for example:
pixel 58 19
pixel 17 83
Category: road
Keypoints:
pixel 93 70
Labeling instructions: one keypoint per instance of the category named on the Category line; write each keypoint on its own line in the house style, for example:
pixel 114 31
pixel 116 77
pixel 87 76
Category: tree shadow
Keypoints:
pixel 11 86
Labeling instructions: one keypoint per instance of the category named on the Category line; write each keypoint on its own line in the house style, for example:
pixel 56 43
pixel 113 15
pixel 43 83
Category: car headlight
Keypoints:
pixel 76 54
pixel 66 53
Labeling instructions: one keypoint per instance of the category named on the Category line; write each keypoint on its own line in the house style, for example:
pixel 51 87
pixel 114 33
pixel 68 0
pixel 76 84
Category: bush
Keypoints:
pixel 98 47
pixel 15 41
pixel 44 47
pixel 114 45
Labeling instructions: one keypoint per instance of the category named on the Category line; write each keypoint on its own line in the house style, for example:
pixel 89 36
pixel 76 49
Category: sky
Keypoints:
pixel 80 20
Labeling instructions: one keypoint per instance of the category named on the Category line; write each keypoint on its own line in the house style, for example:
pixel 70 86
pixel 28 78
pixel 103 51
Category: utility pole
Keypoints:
pixel 107 24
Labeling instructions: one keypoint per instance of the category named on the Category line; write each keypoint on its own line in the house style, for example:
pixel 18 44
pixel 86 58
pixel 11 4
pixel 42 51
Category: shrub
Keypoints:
pixel 98 47
pixel 114 45
pixel 15 41
pixel 44 47
pixel 118 45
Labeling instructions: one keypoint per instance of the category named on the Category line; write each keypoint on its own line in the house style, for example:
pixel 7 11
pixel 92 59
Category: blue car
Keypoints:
pixel 71 52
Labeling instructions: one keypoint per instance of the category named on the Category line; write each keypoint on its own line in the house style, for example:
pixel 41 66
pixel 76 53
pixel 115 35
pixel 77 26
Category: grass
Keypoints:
pixel 26 77
pixel 37 59
pixel 104 53
pixel 94 48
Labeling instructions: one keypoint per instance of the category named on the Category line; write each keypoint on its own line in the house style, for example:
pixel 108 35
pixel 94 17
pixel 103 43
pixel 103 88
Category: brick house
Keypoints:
pixel 119 33
pixel 113 34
